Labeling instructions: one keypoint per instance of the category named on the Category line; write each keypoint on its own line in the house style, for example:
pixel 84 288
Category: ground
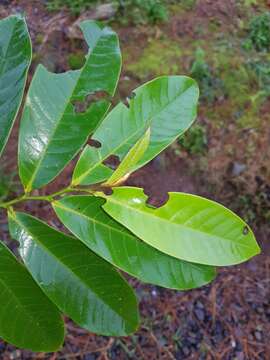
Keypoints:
pixel 227 159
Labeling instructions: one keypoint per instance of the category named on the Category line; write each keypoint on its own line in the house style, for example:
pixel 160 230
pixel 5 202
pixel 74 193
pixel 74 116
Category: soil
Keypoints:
pixel 229 319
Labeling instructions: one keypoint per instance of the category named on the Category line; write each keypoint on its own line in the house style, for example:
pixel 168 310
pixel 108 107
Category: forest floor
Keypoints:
pixel 225 158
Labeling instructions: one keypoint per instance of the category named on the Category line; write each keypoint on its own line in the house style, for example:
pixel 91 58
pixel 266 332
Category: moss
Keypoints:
pixel 187 4
pixel 237 86
pixel 249 119
pixel 76 61
pixel 194 140
pixel 160 57
pixel 238 95
pixel 214 25
pixel 39 39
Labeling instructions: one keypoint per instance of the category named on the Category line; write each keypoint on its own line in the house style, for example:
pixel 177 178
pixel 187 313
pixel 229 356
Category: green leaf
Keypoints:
pixel 84 286
pixel 27 317
pixel 98 172
pixel 187 227
pixel 166 104
pixel 84 217
pixel 130 160
pixel 15 58
pixel 62 110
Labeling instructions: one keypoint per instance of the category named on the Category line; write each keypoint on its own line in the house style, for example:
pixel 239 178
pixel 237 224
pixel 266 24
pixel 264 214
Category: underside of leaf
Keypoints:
pixel 187 227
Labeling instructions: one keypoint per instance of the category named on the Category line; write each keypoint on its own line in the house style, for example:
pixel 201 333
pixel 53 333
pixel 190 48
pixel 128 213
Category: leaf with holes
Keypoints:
pixel 167 105
pixel 57 118
pixel 85 218
pixel 81 284
pixel 174 246
pixel 130 161
pixel 187 227
pixel 28 319
pixel 15 58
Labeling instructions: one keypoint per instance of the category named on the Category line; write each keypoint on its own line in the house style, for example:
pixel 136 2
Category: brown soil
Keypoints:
pixel 229 319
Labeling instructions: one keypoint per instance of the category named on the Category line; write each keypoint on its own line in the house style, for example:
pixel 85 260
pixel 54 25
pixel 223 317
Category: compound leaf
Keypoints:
pixel 187 227
pixel 28 319
pixel 167 105
pixel 15 58
pixel 62 110
pixel 85 218
pixel 84 286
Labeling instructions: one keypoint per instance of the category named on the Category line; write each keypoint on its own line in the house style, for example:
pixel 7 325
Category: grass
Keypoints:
pixel 195 140
pixel 127 11
pixel 160 57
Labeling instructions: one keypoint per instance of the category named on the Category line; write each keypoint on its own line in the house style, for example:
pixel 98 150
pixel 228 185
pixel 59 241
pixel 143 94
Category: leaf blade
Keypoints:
pixel 15 58
pixel 81 284
pixel 158 104
pixel 84 217
pixel 195 229
pixel 130 160
pixel 62 110
pixel 22 323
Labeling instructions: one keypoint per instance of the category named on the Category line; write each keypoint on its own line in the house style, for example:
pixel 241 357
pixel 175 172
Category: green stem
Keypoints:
pixel 48 198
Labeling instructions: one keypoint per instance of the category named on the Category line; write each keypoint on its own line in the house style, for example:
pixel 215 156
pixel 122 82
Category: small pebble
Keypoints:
pixel 258 335
pixel 199 314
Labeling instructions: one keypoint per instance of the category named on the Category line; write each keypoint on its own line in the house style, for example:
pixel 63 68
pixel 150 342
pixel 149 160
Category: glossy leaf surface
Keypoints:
pixel 15 58
pixel 166 105
pixel 81 284
pixel 188 227
pixel 62 110
pixel 85 218
pixel 27 317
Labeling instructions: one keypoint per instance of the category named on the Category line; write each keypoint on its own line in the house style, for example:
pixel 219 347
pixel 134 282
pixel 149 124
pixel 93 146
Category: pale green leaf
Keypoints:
pixel 187 227
pixel 85 218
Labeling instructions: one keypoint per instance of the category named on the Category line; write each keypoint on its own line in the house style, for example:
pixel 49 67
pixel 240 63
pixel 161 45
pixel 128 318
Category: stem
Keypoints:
pixel 48 198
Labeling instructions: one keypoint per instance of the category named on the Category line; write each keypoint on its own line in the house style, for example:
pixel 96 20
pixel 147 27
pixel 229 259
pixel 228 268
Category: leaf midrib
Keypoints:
pixel 28 188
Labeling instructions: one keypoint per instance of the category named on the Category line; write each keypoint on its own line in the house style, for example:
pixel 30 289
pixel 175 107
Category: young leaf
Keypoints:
pixel 15 58
pixel 84 286
pixel 84 217
pixel 27 317
pixel 130 160
pixel 166 105
pixel 187 227
pixel 62 110
pixel 90 158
